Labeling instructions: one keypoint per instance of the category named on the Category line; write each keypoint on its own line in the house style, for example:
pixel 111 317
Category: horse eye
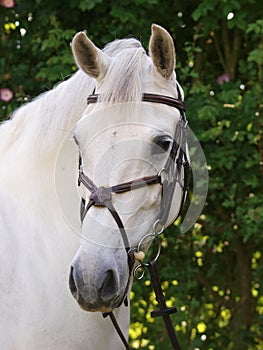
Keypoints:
pixel 161 144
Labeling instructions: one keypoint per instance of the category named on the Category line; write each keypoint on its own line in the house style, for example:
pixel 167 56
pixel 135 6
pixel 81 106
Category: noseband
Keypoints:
pixel 169 176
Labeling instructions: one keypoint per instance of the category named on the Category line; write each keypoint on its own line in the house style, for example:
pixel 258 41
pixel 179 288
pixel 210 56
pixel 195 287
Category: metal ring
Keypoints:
pixel 163 171
pixel 159 247
pixel 143 239
pixel 140 266
pixel 157 232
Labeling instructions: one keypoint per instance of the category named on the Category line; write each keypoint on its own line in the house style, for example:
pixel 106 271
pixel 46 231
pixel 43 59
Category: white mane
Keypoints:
pixel 123 77
pixel 48 118
pixel 51 116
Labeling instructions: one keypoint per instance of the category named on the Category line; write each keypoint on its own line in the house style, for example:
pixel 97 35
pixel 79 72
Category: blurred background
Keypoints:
pixel 212 273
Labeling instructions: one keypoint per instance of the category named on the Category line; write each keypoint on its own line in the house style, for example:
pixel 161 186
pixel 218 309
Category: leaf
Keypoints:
pixel 208 112
pixel 256 56
pixel 249 126
pixel 256 27
pixel 203 8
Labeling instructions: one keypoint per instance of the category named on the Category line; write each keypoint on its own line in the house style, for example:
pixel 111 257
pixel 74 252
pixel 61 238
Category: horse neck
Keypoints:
pixel 38 128
pixel 31 140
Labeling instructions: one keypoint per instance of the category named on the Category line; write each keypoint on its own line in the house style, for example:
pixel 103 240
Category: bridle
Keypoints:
pixel 169 176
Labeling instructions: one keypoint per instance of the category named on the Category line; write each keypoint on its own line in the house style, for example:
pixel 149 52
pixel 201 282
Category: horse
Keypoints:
pixel 60 269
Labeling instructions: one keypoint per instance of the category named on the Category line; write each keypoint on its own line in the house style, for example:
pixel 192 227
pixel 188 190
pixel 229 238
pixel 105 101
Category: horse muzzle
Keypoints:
pixel 98 286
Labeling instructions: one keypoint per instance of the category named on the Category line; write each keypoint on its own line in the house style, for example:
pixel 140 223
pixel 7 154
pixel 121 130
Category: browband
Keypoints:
pixel 147 97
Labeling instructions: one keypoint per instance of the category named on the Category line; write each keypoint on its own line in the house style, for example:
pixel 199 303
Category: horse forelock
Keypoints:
pixel 123 79
pixel 115 47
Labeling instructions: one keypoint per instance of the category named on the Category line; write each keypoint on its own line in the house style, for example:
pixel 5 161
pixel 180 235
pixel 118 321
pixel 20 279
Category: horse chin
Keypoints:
pixel 102 309
pixel 99 307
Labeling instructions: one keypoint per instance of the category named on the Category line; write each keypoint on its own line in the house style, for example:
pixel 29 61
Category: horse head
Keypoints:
pixel 126 138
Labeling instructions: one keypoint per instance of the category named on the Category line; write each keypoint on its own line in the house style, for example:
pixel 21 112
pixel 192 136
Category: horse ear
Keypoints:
pixel 88 57
pixel 162 52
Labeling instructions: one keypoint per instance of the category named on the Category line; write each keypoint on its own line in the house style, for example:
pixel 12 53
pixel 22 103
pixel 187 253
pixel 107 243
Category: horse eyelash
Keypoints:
pixel 162 142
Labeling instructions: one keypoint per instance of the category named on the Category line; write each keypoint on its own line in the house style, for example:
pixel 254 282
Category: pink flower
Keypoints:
pixel 224 78
pixel 8 3
pixel 6 94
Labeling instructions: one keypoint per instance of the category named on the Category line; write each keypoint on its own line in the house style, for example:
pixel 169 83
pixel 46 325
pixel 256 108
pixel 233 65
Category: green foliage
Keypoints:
pixel 213 274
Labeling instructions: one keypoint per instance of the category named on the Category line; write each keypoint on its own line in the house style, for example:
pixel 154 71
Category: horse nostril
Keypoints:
pixel 72 284
pixel 109 287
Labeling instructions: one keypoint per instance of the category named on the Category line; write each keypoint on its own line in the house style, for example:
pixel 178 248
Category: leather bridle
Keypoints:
pixel 168 177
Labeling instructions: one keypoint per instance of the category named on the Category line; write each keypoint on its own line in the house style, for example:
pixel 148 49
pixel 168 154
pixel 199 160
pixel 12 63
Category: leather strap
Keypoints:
pixel 173 169
pixel 101 196
pixel 146 97
pixel 135 184
pixel 166 100
pixel 163 310
pixel 117 328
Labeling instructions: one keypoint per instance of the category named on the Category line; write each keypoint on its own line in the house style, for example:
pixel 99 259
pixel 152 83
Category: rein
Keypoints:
pixel 168 177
